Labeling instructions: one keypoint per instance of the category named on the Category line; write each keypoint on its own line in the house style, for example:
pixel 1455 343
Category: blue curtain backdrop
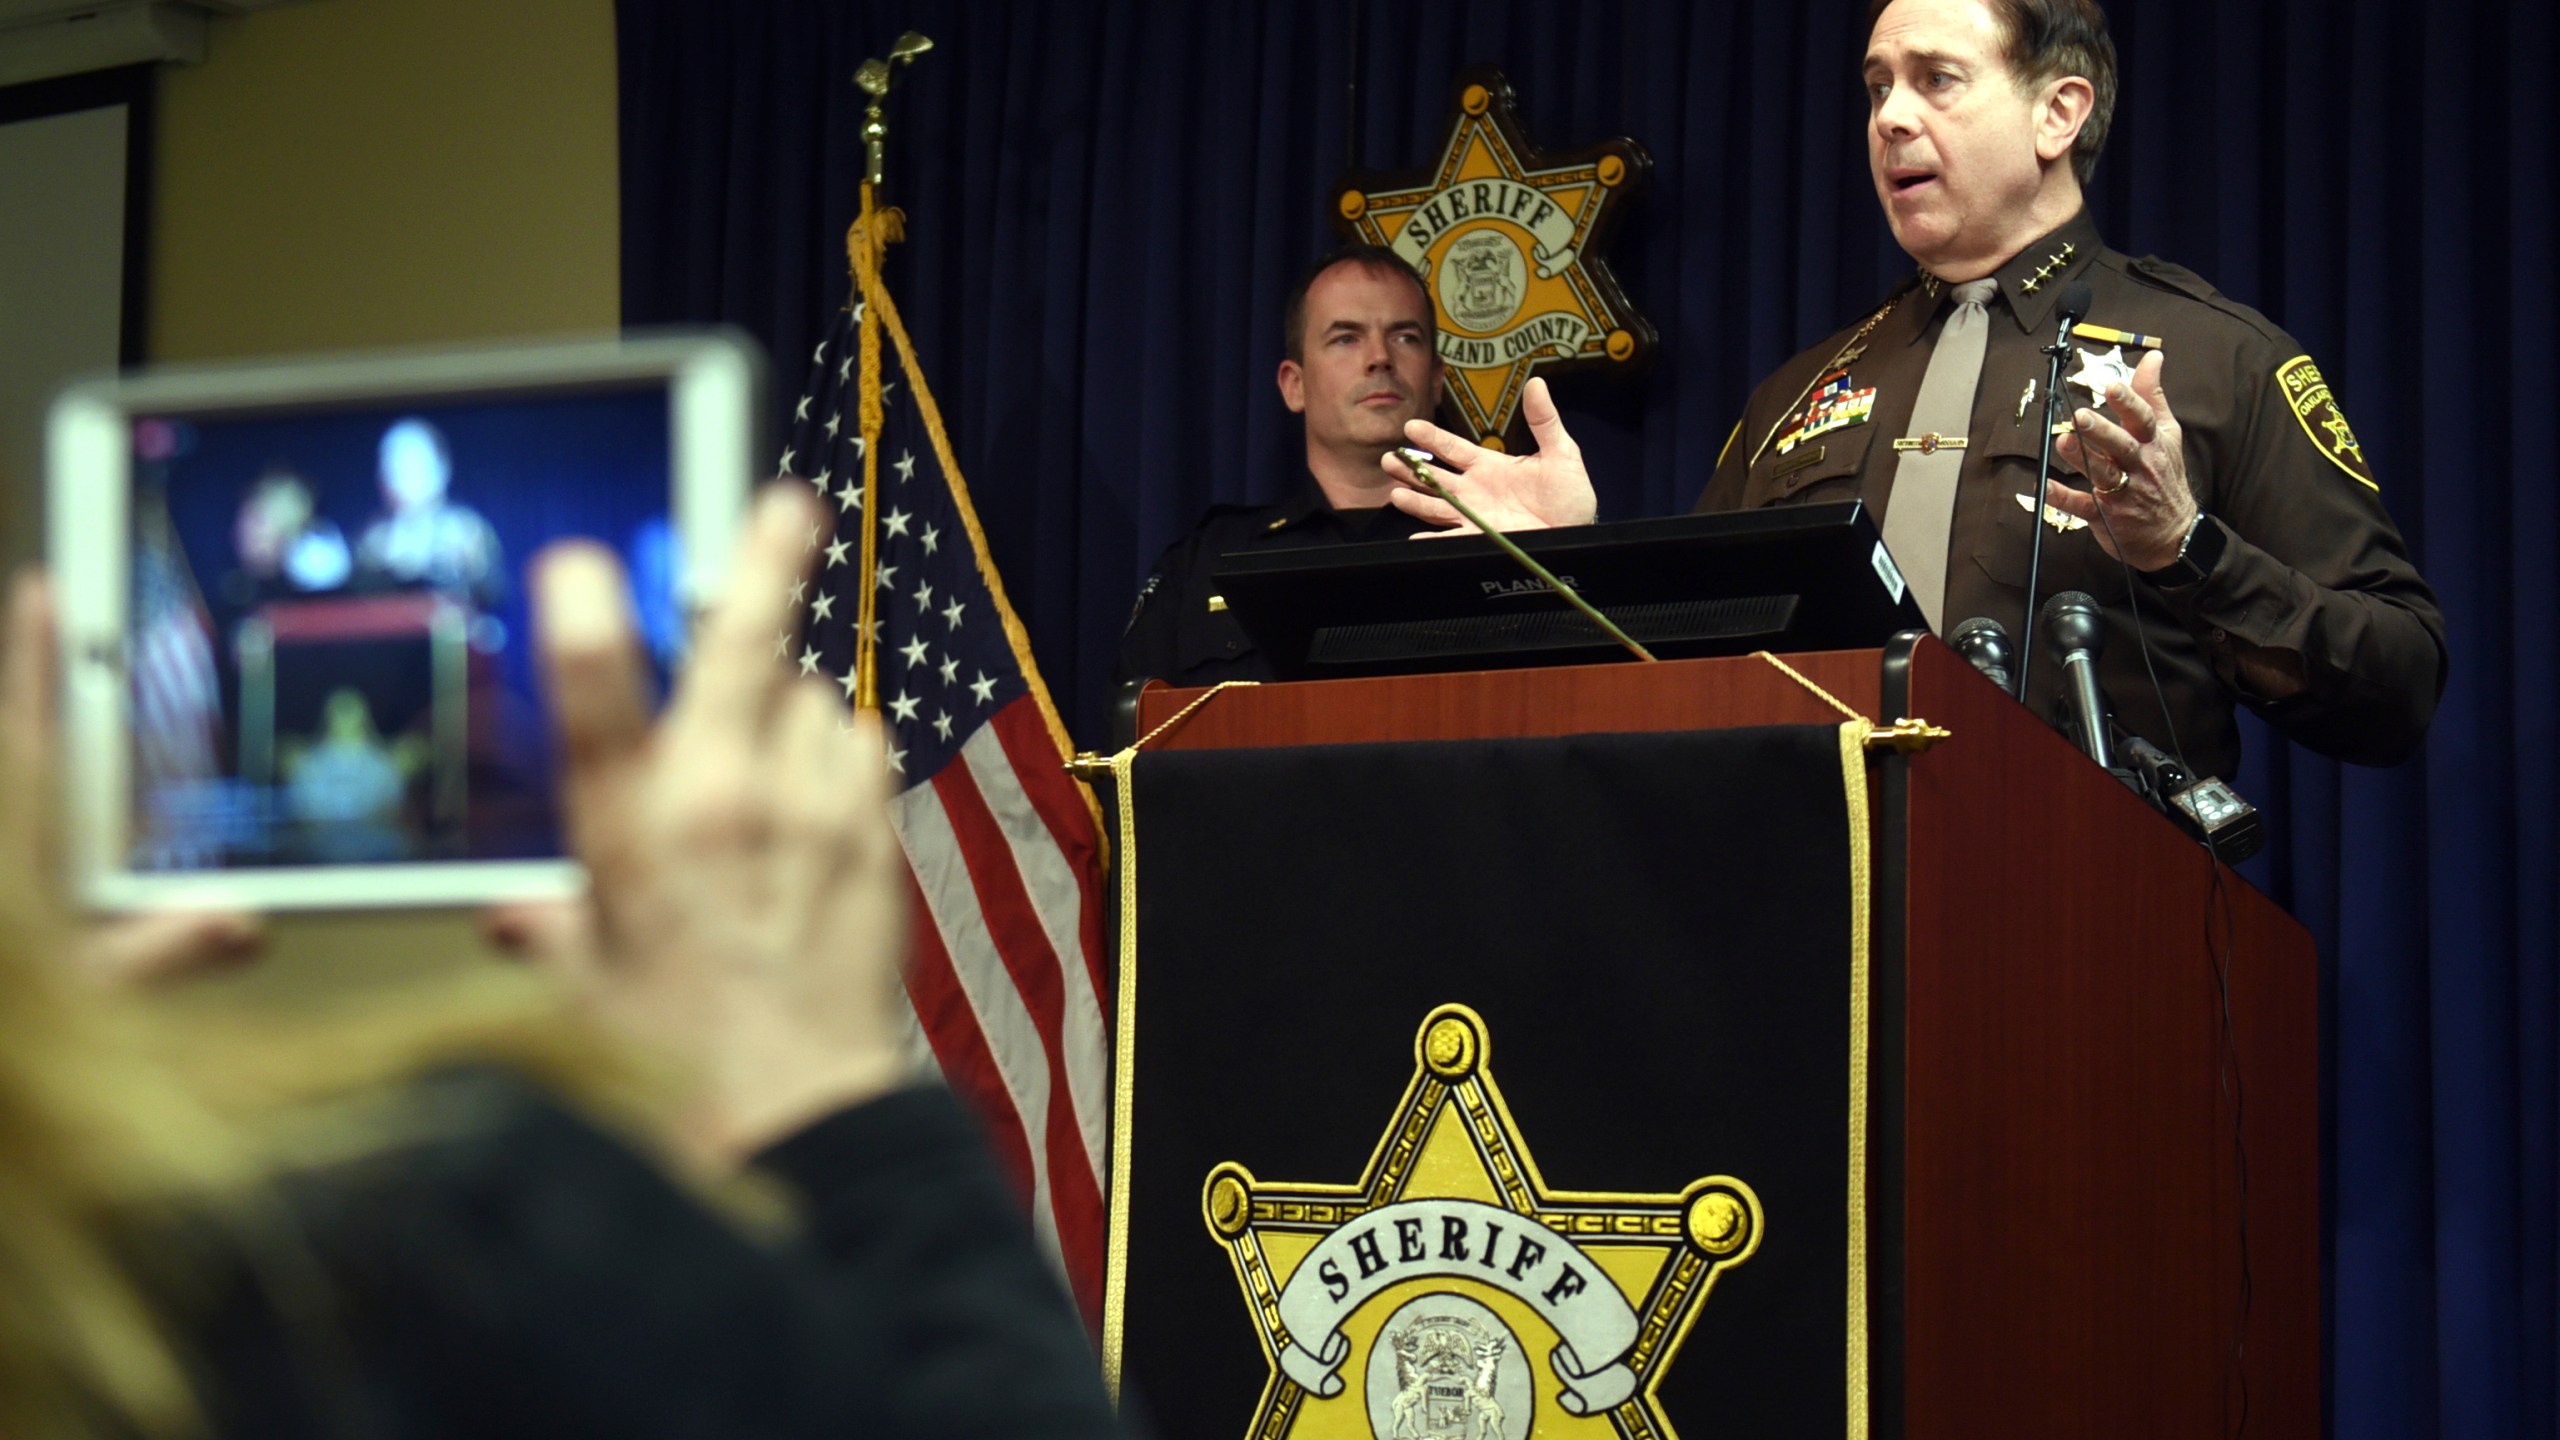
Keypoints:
pixel 1108 198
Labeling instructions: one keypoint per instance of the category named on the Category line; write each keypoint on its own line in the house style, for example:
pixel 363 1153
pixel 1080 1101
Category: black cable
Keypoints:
pixel 2217 899
pixel 2056 353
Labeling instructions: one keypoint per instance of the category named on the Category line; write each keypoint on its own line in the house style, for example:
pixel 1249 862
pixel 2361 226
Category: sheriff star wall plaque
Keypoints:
pixel 1508 240
pixel 1449 1294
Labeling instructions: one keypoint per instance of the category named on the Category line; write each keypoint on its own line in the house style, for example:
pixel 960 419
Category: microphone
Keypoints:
pixel 2077 297
pixel 2076 630
pixel 2207 809
pixel 1983 641
pixel 2071 310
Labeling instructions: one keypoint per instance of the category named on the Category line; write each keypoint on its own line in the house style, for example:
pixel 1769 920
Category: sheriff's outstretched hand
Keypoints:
pixel 1545 488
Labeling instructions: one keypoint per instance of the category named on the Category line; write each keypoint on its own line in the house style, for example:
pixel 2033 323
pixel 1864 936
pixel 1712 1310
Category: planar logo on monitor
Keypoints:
pixel 1508 241
pixel 1451 1294
pixel 1525 586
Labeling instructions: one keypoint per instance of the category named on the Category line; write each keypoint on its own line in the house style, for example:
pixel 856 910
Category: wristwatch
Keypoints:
pixel 2198 553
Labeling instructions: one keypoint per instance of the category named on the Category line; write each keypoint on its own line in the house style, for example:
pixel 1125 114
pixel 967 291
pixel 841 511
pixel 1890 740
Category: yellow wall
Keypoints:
pixel 366 172
pixel 347 173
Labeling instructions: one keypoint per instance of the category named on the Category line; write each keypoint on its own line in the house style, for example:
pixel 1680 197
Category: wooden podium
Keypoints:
pixel 2056 1202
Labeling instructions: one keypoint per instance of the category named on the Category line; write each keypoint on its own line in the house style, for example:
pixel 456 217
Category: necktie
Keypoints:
pixel 1923 506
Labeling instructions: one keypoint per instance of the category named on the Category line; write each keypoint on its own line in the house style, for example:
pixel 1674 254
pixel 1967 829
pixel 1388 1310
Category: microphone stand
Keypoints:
pixel 2056 353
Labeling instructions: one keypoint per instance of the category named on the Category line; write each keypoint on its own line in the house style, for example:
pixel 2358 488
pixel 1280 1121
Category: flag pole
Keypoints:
pixel 874 230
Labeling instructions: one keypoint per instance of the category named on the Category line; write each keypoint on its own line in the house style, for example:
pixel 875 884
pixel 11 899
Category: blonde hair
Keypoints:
pixel 119 1125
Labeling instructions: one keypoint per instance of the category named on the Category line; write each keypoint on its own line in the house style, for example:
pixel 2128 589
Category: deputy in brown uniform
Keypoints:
pixel 2253 544
pixel 1360 358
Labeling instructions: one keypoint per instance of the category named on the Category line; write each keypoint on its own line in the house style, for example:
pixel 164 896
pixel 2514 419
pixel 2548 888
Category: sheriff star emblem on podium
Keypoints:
pixel 1508 240
pixel 1450 1294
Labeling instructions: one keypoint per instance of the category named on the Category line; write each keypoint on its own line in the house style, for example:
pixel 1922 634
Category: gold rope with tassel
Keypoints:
pixel 870 237
pixel 873 232
pixel 1910 734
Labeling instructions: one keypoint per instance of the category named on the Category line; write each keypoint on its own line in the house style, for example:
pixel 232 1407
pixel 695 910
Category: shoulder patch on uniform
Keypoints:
pixel 2321 419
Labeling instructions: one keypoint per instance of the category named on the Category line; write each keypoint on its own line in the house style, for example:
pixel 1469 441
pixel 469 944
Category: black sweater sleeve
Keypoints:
pixel 518 1272
pixel 905 1209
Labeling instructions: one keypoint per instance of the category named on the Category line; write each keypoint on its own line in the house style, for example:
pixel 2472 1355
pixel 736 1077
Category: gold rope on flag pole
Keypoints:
pixel 885 311
pixel 874 230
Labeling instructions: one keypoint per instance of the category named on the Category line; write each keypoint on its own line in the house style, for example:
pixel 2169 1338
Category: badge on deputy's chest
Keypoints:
pixel 1833 406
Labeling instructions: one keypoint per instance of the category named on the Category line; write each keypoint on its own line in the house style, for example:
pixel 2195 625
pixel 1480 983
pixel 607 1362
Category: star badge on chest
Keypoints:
pixel 2100 369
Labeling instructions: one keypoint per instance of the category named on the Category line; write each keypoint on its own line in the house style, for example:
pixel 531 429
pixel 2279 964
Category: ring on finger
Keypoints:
pixel 2123 478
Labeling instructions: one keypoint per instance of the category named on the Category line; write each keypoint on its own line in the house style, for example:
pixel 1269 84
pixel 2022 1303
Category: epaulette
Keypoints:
pixel 2172 277
pixel 2178 279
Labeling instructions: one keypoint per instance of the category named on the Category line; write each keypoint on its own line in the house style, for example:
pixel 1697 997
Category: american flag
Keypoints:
pixel 1007 978
pixel 177 693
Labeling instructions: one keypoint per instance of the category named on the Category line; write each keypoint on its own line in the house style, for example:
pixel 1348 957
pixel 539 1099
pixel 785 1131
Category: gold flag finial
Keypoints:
pixel 875 77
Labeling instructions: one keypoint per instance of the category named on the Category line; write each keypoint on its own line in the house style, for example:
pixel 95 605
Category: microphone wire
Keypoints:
pixel 2221 952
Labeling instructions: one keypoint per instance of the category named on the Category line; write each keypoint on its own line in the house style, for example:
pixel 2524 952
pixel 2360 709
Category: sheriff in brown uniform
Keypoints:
pixel 2228 505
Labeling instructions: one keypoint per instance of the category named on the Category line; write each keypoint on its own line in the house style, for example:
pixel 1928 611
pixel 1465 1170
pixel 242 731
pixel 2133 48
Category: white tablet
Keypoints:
pixel 298 670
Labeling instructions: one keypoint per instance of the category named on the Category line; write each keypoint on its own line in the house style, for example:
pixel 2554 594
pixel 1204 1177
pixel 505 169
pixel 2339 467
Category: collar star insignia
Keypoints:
pixel 2057 261
pixel 1507 239
pixel 2100 369
pixel 1450 1292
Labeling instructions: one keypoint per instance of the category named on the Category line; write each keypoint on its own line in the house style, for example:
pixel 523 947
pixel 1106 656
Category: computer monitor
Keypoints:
pixel 1808 577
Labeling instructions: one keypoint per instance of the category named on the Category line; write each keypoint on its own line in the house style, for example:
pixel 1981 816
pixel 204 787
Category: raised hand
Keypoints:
pixel 2138 503
pixel 747 906
pixel 1547 487
pixel 132 950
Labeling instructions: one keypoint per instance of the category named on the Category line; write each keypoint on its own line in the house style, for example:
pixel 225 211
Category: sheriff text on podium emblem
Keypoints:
pixel 1449 1294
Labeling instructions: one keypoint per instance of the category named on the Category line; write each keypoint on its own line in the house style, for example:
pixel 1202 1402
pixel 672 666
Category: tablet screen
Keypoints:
pixel 329 640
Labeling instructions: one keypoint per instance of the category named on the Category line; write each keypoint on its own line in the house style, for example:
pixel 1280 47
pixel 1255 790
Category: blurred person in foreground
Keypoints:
pixel 671 1183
